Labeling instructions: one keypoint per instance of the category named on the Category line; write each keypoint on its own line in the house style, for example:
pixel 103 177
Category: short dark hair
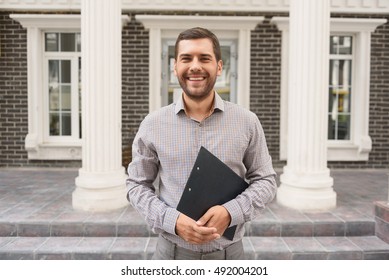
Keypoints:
pixel 199 33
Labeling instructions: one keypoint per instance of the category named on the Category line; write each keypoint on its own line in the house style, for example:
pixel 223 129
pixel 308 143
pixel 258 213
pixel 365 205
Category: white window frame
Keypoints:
pixel 75 110
pixel 360 144
pixel 37 143
pixel 350 57
pixel 163 27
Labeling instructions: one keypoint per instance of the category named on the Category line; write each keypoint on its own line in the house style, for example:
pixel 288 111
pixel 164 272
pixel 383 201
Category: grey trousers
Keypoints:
pixel 167 250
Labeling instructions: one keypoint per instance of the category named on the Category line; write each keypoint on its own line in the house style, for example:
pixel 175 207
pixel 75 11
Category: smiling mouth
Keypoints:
pixel 195 78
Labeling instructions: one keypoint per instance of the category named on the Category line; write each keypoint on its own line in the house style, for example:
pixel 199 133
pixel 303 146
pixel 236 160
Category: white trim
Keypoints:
pixel 337 6
pixel 185 22
pixel 167 27
pixel 35 143
pixel 54 22
pixel 360 145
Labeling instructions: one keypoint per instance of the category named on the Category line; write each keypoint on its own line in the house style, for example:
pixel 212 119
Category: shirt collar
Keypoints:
pixel 218 104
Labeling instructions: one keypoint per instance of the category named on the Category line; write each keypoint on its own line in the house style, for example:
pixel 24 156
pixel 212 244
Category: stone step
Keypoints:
pixel 136 248
pixel 132 229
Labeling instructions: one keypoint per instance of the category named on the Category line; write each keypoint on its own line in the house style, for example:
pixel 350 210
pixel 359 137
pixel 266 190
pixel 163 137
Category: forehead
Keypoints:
pixel 195 46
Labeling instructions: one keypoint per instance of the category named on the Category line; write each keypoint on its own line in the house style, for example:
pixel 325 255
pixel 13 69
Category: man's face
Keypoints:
pixel 196 67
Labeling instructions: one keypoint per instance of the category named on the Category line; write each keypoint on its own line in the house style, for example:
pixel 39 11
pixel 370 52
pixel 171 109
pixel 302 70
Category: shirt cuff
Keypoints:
pixel 236 214
pixel 169 222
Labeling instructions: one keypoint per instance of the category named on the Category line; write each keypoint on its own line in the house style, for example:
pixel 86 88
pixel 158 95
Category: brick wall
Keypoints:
pixel 379 97
pixel 265 83
pixel 13 92
pixel 135 82
pixel 265 91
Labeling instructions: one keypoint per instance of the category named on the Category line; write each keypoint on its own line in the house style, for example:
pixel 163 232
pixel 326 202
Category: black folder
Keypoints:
pixel 211 182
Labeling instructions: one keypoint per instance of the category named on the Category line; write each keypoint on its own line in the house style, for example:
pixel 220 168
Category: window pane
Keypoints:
pixel 66 103
pixel 345 45
pixel 332 98
pixel 343 127
pixel 334 72
pixel 68 42
pixel 65 71
pixel 78 42
pixel 333 106
pixel 339 126
pixel 340 45
pixel 331 128
pixel 344 100
pixel 54 124
pixel 66 124
pixel 53 97
pixel 51 42
pixel 334 44
pixel 344 72
pixel 53 71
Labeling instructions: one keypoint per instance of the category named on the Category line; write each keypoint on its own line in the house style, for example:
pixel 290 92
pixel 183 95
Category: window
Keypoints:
pixel 63 84
pixel 349 86
pixel 54 85
pixel 340 81
pixel 225 84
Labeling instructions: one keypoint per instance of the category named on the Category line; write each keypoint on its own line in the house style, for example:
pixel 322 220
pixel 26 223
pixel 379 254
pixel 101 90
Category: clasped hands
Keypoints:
pixel 209 227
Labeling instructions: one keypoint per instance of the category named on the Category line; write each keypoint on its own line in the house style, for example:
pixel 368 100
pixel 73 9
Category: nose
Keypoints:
pixel 195 65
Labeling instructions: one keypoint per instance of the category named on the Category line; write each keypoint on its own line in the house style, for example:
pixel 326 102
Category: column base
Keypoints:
pixel 99 192
pixel 306 192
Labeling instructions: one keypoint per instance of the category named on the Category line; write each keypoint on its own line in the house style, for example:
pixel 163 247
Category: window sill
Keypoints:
pixel 349 151
pixel 338 151
pixel 55 151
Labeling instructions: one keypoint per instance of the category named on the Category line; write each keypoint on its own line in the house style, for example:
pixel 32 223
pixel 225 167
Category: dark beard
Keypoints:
pixel 197 96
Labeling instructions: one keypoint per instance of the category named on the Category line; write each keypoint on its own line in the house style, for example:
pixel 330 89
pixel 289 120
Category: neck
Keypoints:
pixel 199 109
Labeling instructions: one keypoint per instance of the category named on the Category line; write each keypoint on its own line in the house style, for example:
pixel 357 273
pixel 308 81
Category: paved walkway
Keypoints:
pixel 36 208
pixel 45 194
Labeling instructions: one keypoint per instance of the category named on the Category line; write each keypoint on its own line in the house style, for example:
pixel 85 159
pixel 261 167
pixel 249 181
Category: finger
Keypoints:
pixel 187 229
pixel 201 239
pixel 204 219
pixel 204 230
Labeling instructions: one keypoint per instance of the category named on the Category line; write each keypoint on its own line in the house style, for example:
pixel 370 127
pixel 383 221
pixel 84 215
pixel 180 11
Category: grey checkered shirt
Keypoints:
pixel 167 144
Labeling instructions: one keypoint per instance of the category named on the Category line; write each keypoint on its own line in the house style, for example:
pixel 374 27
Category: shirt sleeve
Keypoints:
pixel 142 172
pixel 261 177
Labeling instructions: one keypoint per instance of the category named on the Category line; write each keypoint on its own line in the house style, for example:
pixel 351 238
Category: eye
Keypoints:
pixel 206 58
pixel 185 58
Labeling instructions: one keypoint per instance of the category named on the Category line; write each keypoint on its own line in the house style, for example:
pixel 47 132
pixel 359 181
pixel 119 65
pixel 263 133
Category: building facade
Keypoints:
pixel 41 87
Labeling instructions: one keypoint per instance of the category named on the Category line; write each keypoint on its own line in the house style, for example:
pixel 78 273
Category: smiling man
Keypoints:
pixel 167 144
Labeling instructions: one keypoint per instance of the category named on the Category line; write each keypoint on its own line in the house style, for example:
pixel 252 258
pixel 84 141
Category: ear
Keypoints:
pixel 219 67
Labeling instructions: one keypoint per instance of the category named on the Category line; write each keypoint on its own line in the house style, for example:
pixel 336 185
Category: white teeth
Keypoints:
pixel 196 79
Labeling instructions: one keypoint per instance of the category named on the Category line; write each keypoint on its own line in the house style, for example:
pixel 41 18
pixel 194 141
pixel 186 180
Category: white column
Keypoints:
pixel 306 183
pixel 100 185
